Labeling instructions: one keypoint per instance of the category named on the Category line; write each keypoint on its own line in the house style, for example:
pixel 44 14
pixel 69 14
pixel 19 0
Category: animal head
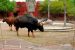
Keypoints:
pixel 40 27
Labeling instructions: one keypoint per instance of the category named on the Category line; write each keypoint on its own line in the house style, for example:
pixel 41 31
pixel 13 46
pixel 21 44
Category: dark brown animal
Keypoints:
pixel 9 21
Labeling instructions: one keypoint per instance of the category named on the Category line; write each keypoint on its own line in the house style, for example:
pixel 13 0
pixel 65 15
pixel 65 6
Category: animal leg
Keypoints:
pixel 10 27
pixel 32 33
pixel 17 28
pixel 28 33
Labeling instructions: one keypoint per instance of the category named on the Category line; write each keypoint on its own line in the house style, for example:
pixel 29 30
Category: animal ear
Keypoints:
pixel 40 23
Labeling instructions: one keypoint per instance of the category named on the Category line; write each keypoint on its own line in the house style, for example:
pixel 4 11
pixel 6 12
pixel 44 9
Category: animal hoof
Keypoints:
pixel 17 35
pixel 33 36
pixel 28 36
pixel 11 30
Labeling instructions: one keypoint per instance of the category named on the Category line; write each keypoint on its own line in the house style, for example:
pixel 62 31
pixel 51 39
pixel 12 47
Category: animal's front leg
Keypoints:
pixel 32 33
pixel 10 27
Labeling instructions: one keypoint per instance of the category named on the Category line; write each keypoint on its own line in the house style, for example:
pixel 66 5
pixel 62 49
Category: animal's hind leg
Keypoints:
pixel 17 28
pixel 28 33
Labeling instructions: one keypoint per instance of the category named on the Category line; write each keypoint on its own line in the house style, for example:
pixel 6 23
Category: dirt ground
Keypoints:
pixel 41 38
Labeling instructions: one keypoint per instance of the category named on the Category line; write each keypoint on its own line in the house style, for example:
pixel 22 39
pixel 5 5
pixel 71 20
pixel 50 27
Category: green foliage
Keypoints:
pixel 6 5
pixel 72 2
pixel 70 6
pixel 43 8
pixel 57 7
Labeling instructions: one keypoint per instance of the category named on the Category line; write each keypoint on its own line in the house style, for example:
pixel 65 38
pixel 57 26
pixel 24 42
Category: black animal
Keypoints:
pixel 29 22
